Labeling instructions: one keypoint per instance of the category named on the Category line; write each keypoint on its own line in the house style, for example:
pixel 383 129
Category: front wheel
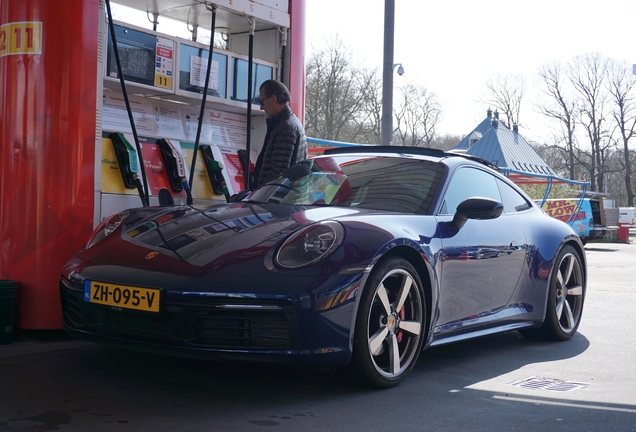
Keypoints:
pixel 390 325
pixel 566 295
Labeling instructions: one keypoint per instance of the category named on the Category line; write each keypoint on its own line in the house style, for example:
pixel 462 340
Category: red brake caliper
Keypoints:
pixel 402 316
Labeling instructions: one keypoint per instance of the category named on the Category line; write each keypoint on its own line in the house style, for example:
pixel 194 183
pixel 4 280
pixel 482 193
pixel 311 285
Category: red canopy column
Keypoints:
pixel 48 79
pixel 297 58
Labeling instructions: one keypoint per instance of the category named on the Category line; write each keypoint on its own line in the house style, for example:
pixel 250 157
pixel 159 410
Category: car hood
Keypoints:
pixel 183 237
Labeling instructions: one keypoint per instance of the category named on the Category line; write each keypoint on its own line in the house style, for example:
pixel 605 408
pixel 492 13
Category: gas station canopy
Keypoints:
pixel 230 13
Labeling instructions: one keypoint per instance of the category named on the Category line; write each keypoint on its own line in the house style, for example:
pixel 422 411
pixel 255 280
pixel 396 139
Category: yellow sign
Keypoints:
pixel 163 81
pixel 21 38
pixel 563 209
pixel 128 297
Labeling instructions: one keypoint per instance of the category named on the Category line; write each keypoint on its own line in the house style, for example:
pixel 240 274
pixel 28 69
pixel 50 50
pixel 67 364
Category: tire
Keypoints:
pixel 390 325
pixel 566 295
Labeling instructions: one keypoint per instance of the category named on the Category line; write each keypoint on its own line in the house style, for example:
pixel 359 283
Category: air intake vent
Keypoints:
pixel 249 328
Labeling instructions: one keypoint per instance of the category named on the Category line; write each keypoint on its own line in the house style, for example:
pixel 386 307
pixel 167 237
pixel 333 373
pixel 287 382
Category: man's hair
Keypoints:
pixel 277 88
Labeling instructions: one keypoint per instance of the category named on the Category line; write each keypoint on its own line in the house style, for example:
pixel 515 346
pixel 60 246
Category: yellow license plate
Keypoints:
pixel 123 296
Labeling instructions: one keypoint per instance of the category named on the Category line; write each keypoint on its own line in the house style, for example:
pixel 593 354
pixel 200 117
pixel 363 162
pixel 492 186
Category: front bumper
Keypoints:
pixel 278 329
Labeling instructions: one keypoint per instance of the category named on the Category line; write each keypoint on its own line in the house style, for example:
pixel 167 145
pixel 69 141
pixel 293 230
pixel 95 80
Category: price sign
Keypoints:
pixel 164 63
pixel 21 38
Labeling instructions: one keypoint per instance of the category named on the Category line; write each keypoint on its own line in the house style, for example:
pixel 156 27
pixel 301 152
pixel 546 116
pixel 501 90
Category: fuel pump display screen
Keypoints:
pixel 193 63
pixel 145 58
pixel 260 74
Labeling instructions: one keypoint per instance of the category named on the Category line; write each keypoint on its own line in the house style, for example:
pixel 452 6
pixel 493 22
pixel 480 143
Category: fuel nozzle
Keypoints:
pixel 215 173
pixel 217 167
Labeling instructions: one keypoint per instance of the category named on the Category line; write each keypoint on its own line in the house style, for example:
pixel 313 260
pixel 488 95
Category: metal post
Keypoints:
pixel 387 73
pixel 250 65
pixel 189 199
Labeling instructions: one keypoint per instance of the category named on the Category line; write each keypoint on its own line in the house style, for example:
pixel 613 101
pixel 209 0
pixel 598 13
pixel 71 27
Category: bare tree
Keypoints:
pixel 417 114
pixel 505 93
pixel 369 116
pixel 557 157
pixel 587 74
pixel 445 142
pixel 621 85
pixel 334 93
pixel 561 107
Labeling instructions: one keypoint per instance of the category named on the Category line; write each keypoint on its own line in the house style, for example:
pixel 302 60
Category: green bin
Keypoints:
pixel 8 294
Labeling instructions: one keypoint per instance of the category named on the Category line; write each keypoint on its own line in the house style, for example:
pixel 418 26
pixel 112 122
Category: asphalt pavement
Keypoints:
pixel 504 382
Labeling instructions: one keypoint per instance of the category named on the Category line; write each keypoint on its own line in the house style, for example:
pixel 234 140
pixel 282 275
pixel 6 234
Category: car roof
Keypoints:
pixel 416 151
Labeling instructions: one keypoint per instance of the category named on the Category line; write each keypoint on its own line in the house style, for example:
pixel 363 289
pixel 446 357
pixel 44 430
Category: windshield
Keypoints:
pixel 382 183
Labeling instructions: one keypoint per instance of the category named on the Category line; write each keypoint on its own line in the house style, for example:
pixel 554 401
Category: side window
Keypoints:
pixel 513 201
pixel 467 183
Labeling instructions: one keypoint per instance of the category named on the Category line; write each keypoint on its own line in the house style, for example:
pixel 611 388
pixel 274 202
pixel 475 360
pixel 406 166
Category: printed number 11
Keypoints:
pixel 18 37
pixel 162 81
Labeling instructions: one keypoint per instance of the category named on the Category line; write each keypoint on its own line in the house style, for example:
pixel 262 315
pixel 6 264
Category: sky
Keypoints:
pixel 452 47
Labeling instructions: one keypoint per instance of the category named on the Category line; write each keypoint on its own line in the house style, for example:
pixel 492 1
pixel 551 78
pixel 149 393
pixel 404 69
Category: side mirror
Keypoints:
pixel 476 208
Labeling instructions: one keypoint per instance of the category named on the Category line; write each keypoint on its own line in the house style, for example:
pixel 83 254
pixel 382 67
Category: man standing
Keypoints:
pixel 285 140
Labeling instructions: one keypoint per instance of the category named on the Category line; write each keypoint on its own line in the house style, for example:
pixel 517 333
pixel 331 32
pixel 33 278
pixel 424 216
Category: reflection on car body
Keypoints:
pixel 358 259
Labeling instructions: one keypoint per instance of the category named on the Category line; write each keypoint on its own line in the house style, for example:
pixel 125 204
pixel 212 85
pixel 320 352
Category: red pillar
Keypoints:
pixel 297 58
pixel 48 78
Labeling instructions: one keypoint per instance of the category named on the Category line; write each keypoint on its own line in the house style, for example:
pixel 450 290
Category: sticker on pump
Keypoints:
pixel 164 63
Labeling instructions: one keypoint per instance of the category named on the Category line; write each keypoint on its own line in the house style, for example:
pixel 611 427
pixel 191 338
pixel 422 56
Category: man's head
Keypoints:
pixel 274 97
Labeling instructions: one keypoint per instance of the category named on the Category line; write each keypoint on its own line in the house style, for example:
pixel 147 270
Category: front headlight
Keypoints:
pixel 310 245
pixel 106 228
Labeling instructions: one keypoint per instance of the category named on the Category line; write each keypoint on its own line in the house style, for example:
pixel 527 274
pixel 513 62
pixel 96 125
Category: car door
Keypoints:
pixel 482 261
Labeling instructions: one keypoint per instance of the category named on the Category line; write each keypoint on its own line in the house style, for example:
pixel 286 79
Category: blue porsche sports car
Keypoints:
pixel 358 259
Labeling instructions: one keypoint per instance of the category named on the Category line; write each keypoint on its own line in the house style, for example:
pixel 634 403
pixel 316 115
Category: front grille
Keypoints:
pixel 248 328
pixel 214 324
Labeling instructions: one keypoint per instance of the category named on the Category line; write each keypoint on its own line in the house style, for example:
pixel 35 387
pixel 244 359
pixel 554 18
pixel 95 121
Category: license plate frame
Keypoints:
pixel 122 296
